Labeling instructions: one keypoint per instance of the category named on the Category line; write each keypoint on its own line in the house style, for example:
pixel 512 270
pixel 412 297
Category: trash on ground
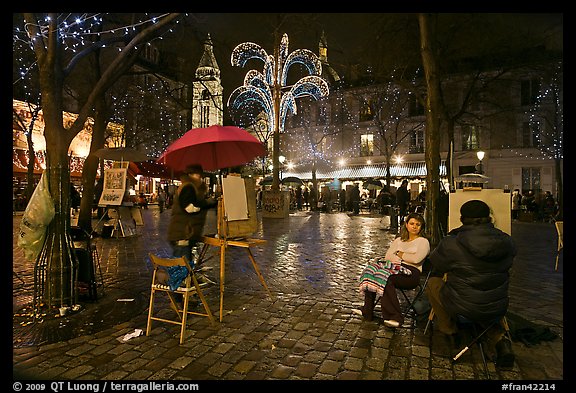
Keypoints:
pixel 128 336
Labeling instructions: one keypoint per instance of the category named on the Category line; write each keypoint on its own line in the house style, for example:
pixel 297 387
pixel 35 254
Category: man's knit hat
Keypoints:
pixel 475 209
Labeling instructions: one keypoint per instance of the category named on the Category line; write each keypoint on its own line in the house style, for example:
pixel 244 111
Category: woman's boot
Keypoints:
pixel 368 307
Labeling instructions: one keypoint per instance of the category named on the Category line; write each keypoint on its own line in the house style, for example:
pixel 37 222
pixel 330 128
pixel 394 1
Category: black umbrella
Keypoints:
pixel 292 180
pixel 121 154
pixel 372 184
pixel 266 181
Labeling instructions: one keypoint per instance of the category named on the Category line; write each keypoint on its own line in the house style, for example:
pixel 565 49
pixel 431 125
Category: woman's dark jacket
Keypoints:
pixel 477 259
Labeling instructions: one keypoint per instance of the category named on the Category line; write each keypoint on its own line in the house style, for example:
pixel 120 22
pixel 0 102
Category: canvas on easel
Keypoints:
pixel 236 223
pixel 498 200
pixel 238 210
pixel 114 187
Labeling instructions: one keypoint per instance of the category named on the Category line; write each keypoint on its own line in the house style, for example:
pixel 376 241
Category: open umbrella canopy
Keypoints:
pixel 472 178
pixel 214 147
pixel 292 180
pixel 266 181
pixel 121 154
pixel 151 169
pixel 372 184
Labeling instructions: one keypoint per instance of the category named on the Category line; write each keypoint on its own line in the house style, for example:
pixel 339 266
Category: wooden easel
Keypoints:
pixel 224 239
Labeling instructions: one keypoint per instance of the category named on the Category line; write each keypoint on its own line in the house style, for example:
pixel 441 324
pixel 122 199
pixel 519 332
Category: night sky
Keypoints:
pixel 352 37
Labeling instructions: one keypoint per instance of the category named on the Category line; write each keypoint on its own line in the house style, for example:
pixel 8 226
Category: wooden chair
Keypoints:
pixel 188 288
pixel 560 231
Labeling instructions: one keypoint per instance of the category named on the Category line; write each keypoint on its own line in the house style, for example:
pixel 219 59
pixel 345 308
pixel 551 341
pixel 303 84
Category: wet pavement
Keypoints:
pixel 307 330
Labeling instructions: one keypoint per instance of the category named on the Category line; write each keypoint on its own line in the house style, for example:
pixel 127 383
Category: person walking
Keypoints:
pixel 305 195
pixel 516 199
pixel 342 200
pixel 471 275
pixel 400 268
pixel 298 197
pixel 402 199
pixel 355 198
pixel 161 199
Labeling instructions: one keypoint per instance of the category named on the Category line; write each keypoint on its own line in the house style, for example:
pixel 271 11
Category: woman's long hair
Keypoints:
pixel 404 234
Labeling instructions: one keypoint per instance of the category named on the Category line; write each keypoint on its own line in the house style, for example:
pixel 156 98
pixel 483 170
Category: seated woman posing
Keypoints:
pixel 400 268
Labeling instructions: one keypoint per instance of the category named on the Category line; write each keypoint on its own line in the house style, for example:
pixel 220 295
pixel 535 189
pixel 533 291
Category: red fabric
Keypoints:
pixel 215 147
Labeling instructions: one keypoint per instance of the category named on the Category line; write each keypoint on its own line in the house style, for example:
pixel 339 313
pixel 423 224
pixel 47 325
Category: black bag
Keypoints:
pixel 422 305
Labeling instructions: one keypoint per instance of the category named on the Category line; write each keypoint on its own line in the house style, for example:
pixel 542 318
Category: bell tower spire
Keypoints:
pixel 207 108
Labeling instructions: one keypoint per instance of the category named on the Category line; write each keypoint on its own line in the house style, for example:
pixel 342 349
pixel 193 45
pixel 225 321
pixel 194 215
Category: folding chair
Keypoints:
pixel 560 231
pixel 419 291
pixel 477 336
pixel 427 269
pixel 189 288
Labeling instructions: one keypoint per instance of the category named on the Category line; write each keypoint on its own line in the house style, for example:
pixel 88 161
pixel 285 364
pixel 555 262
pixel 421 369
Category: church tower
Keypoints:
pixel 328 73
pixel 207 108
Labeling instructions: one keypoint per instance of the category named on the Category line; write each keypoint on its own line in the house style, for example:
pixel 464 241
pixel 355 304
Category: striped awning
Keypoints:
pixel 352 172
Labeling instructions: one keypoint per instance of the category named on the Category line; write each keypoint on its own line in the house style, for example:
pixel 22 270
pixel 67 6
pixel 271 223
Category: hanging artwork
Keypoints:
pixel 114 186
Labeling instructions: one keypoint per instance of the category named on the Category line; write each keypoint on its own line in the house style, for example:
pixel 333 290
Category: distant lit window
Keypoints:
pixel 531 179
pixel 322 116
pixel 470 138
pixel 367 145
pixel 417 141
pixel 366 113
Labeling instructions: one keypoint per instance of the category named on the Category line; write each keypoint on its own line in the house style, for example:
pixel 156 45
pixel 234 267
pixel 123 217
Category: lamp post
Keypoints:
pixel 480 156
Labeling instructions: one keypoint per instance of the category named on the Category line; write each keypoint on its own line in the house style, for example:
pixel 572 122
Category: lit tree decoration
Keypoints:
pixel 268 91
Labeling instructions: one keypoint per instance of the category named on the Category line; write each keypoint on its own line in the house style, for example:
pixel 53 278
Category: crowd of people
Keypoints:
pixel 538 207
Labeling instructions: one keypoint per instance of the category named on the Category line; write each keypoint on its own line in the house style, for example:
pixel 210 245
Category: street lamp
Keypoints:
pixel 480 155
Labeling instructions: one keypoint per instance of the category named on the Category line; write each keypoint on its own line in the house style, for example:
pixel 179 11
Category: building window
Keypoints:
pixel 415 108
pixel 530 134
pixel 205 94
pixel 366 111
pixel 322 115
pixel 530 89
pixel 417 141
pixel 470 138
pixel 367 145
pixel 204 116
pixel 151 53
pixel 531 180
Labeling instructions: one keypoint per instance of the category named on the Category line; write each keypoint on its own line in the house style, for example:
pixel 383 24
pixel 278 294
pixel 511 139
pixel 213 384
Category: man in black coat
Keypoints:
pixel 403 199
pixel 476 259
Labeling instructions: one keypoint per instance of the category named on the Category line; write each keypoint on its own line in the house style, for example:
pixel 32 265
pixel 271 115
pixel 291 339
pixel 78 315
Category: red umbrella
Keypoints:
pixel 150 169
pixel 215 147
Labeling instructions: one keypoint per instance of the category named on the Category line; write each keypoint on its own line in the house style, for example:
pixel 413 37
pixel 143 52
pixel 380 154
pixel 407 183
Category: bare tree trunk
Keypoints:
pixel 433 121
pixel 91 167
pixel 54 270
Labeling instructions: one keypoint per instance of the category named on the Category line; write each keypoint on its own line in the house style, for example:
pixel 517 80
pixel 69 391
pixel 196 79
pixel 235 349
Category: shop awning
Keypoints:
pixel 149 169
pixel 353 172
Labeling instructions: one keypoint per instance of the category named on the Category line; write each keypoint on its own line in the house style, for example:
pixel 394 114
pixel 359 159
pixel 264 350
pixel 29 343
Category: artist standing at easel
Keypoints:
pixel 189 214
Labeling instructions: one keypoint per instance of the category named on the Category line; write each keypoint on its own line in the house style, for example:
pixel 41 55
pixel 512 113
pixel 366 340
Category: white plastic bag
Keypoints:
pixel 38 214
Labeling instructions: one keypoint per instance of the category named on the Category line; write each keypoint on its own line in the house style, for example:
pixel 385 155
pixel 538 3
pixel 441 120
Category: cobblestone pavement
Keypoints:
pixel 307 330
